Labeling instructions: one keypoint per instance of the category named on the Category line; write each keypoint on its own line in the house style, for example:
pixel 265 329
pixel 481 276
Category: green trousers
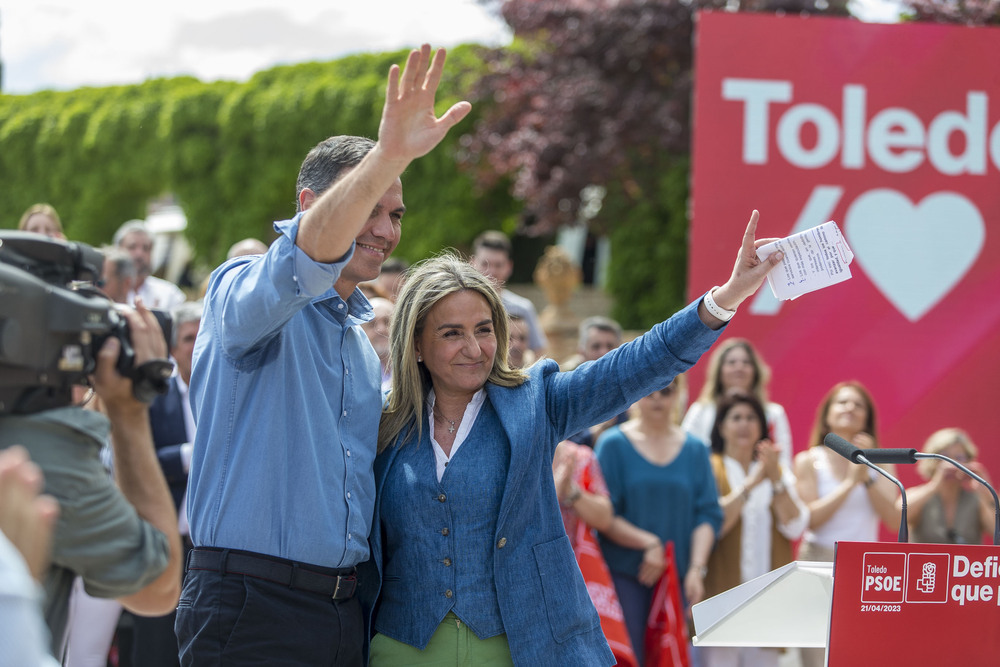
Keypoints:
pixel 453 643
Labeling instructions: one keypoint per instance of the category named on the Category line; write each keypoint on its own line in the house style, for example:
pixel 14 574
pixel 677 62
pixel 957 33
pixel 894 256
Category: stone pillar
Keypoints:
pixel 558 277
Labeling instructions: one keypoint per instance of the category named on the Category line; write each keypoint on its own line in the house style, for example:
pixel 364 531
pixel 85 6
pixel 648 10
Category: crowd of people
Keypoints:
pixel 356 461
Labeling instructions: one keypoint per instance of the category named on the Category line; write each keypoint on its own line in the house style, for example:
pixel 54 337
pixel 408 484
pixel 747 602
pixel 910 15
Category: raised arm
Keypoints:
pixel 137 470
pixel 748 274
pixel 409 129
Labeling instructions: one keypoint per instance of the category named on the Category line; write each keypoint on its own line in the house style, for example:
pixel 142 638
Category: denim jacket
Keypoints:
pixel 547 613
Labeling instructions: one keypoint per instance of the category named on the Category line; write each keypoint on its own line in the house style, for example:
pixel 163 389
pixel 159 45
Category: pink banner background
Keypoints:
pixel 893 131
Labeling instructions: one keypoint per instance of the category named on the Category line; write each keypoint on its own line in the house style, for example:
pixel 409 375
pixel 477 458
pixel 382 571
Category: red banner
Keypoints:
pixel 602 593
pixel 666 628
pixel 915 604
pixel 892 131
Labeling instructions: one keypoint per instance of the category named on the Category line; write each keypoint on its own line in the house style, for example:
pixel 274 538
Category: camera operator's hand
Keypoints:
pixel 148 344
pixel 137 470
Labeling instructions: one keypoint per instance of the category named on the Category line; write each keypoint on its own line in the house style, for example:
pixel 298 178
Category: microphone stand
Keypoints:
pixel 904 534
pixel 996 500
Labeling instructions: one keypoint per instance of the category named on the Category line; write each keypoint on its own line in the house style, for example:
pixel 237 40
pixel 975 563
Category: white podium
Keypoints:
pixel 788 607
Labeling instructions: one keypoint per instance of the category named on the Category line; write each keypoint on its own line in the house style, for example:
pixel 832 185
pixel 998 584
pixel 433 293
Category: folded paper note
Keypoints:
pixel 814 259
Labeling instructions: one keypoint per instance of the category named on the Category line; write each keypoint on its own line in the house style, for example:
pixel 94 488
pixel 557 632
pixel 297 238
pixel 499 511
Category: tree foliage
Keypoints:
pixel 961 12
pixel 598 92
pixel 593 93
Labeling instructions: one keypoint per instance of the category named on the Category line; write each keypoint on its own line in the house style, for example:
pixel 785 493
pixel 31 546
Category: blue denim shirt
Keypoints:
pixel 547 613
pixel 438 536
pixel 285 392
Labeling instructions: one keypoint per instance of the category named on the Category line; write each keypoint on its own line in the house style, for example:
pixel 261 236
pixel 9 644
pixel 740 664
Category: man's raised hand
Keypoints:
pixel 410 128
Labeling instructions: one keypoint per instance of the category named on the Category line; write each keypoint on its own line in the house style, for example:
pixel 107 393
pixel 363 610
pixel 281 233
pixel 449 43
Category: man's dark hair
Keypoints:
pixel 327 162
pixel 492 240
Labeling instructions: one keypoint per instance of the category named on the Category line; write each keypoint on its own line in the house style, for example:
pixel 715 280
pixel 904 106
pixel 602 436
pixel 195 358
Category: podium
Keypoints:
pixel 879 603
pixel 787 607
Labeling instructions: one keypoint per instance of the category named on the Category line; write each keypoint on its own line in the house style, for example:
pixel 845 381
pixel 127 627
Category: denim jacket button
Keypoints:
pixel 445 531
pixel 501 543
pixel 447 562
pixel 448 593
pixel 442 498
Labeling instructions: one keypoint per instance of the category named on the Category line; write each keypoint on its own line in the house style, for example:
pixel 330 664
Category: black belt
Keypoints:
pixel 336 584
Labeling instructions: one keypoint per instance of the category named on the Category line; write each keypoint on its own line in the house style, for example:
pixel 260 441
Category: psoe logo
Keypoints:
pixel 927 577
pixel 882 579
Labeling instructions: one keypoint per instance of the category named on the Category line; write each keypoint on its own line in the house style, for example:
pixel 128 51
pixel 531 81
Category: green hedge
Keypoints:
pixel 230 153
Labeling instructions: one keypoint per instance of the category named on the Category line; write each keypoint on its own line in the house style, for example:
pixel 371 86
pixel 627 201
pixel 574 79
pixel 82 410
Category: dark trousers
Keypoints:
pixel 635 600
pixel 154 643
pixel 235 619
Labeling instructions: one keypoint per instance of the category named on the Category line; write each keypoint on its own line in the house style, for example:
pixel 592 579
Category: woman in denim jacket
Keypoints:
pixel 470 563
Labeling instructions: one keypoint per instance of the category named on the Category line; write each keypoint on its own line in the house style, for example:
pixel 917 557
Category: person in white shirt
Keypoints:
pixel 736 367
pixel 762 513
pixel 135 238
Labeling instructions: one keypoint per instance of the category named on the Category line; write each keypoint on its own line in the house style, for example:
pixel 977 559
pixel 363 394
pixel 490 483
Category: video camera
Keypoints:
pixel 53 322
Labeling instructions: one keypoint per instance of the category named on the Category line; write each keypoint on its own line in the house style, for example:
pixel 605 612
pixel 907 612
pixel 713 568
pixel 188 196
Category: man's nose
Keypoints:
pixel 385 228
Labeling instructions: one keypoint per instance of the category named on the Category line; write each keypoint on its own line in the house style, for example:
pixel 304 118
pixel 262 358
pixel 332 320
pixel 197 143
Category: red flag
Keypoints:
pixel 602 592
pixel 666 629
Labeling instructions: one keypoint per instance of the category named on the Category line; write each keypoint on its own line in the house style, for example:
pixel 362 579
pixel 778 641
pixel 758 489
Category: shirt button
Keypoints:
pixel 448 593
pixel 447 562
pixel 340 306
pixel 445 531
pixel 348 495
pixel 345 413
pixel 442 498
pixel 501 543
pixel 348 452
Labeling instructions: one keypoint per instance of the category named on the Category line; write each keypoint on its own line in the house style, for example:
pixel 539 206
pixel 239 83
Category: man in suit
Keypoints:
pixel 154 642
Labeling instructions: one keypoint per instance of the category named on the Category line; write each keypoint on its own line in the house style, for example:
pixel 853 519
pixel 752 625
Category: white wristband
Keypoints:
pixel 715 310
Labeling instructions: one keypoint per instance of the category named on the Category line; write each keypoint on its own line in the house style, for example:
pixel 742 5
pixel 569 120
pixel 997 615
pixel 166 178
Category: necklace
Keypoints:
pixel 451 422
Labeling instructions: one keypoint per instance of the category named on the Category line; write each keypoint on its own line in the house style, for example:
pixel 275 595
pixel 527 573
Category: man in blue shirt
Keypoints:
pixel 285 391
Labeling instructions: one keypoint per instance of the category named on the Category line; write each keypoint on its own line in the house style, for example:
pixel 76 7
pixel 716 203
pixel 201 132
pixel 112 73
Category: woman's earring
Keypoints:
pixel 419 359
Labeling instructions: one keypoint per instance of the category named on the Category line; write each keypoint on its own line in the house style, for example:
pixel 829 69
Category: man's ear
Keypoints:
pixel 306 199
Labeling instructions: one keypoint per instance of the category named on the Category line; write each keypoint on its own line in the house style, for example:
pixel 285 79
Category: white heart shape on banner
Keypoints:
pixel 915 255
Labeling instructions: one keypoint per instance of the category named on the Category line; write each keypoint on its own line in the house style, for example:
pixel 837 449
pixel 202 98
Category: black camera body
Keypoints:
pixel 53 322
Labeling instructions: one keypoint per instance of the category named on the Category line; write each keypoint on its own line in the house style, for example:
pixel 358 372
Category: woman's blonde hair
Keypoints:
pixel 681 390
pixel 40 209
pixel 940 441
pixel 426 284
pixel 713 390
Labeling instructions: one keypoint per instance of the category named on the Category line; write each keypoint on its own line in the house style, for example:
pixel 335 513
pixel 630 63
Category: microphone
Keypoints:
pixel 858 455
pixel 889 455
pixel 996 501
pixel 910 455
